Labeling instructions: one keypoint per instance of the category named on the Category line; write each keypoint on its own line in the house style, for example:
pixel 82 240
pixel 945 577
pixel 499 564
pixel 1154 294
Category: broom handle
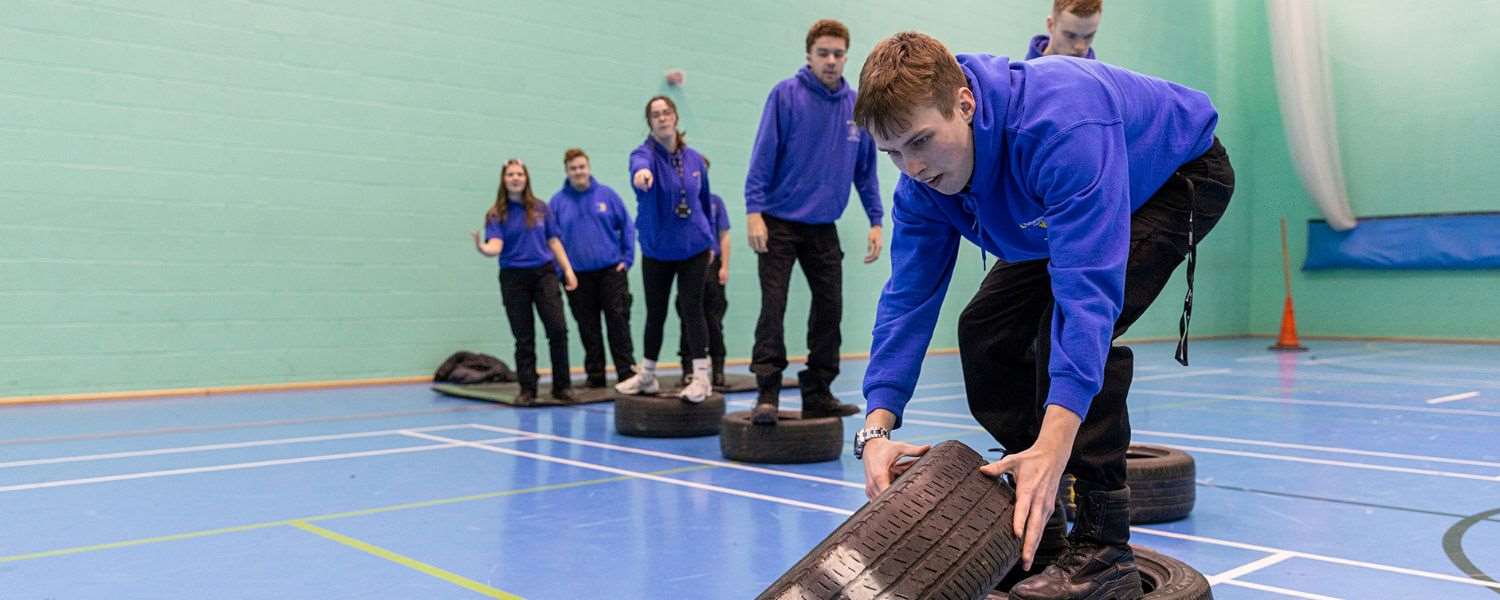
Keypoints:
pixel 1286 260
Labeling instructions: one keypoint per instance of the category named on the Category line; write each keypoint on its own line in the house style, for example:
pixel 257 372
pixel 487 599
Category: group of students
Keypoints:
pixel 807 155
pixel 1089 184
pixel 585 235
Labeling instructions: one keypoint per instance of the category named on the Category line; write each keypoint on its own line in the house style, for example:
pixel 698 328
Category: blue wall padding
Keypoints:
pixel 1452 241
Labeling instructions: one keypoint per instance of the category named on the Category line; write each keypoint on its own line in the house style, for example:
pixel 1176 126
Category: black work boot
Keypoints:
pixel 562 394
pixel 595 381
pixel 818 401
pixel 1053 543
pixel 527 397
pixel 766 403
pixel 718 372
pixel 1098 563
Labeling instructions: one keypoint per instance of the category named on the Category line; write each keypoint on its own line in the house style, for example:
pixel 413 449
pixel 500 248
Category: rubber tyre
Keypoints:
pixel 792 440
pixel 1166 578
pixel 1162 482
pixel 667 416
pixel 940 531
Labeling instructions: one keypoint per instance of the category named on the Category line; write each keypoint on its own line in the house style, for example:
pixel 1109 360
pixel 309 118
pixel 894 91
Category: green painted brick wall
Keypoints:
pixel 220 193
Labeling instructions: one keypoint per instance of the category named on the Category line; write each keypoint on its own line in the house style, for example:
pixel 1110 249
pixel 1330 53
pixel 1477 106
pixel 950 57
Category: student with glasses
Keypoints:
pixel 673 208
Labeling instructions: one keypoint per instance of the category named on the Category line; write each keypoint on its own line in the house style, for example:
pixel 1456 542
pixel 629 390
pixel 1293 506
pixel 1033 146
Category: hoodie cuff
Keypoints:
pixel 1071 394
pixel 888 398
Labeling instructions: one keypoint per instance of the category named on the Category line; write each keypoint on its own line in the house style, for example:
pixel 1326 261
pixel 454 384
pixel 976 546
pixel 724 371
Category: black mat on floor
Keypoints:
pixel 505 393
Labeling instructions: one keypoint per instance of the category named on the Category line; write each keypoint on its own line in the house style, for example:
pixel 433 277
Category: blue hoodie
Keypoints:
pixel 1039 46
pixel 664 235
pixel 808 151
pixel 525 246
pixel 720 220
pixel 594 226
pixel 721 214
pixel 1065 150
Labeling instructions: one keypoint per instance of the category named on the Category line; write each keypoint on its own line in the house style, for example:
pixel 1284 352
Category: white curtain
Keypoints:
pixel 1306 93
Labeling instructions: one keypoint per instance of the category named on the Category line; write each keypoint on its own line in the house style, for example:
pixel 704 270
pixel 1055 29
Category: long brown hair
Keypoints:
pixel 535 210
pixel 681 136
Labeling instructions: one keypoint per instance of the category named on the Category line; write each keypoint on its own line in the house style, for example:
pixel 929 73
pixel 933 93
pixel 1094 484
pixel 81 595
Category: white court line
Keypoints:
pixel 210 447
pixel 1331 449
pixel 1270 400
pixel 842 511
pixel 918 387
pixel 1280 457
pixel 1318 557
pixel 1261 587
pixel 1256 455
pixel 1340 463
pixel 1183 374
pixel 668 455
pixel 937 398
pixel 637 474
pixel 1400 379
pixel 238 466
pixel 1338 358
pixel 1206 438
pixel 1453 398
pixel 1248 568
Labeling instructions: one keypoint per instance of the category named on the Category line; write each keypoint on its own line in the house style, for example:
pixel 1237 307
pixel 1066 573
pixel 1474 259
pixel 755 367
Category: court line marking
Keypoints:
pixel 638 474
pixel 843 511
pixel 1318 557
pixel 1338 358
pixel 1248 568
pixel 241 425
pixel 1184 374
pixel 667 455
pixel 1261 587
pixel 236 466
pixel 210 447
pixel 1210 438
pixel 327 517
pixel 1403 379
pixel 406 561
pixel 1334 403
pixel 1241 453
pixel 1452 398
pixel 1330 449
pixel 925 386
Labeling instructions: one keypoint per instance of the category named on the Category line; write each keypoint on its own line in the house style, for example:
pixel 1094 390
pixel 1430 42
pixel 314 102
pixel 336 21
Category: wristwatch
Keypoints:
pixel 865 435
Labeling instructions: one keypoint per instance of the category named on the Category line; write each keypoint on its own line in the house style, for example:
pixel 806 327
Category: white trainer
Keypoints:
pixel 641 383
pixel 696 391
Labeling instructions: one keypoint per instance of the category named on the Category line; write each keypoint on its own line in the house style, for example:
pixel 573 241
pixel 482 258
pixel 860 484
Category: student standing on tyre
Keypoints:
pixel 1070 30
pixel 672 218
pixel 715 300
pixel 1091 184
pixel 520 230
pixel 593 223
pixel 807 153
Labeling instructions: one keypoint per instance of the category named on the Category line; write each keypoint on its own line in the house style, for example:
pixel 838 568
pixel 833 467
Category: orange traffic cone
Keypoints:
pixel 1287 341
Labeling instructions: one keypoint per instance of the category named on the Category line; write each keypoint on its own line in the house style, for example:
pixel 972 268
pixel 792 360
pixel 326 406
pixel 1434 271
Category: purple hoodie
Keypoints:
pixel 808 151
pixel 1039 45
pixel 1065 150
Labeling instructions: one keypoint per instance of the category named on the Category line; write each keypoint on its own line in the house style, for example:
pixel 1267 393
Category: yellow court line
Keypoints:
pixel 406 561
pixel 330 516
